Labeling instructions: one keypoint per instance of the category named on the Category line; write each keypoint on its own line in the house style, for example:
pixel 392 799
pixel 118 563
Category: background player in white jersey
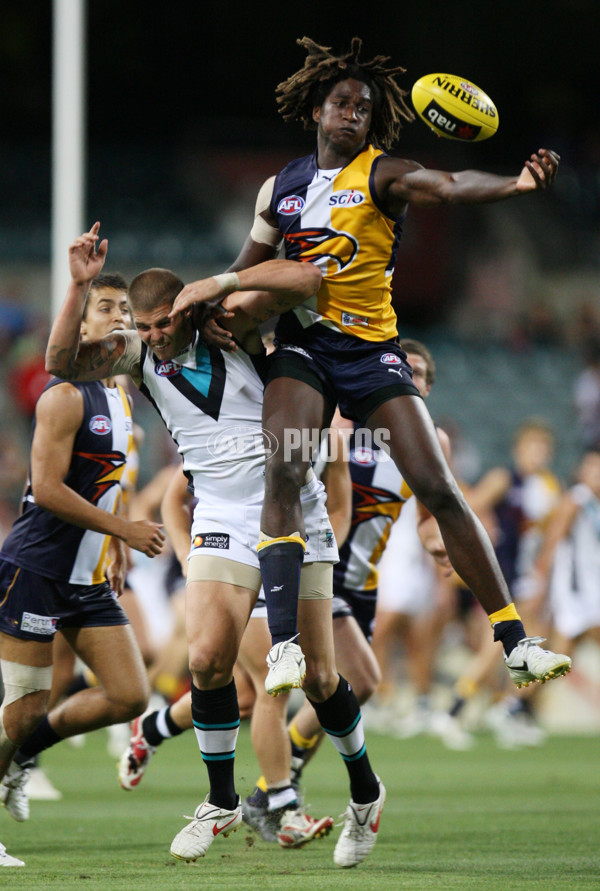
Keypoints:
pixel 52 566
pixel 568 564
pixel 211 403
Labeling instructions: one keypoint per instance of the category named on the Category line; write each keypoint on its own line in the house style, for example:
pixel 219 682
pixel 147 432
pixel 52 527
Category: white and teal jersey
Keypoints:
pixel 211 403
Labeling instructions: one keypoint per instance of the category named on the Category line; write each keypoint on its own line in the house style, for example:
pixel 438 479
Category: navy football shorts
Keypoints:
pixel 34 607
pixel 358 375
pixel 361 605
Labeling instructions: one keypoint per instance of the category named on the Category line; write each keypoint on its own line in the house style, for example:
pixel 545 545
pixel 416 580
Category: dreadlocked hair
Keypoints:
pixel 307 88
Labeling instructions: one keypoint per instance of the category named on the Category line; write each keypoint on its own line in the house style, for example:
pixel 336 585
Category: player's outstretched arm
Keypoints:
pixel 249 297
pixel 59 413
pixel 66 357
pixel 400 182
pixel 285 283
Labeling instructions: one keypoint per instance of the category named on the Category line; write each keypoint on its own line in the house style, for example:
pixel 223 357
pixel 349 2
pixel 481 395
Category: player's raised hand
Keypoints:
pixel 86 256
pixel 539 172
pixel 206 320
pixel 206 290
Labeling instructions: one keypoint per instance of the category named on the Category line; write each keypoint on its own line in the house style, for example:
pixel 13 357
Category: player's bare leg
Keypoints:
pixel 27 678
pixel 20 717
pixel 338 712
pixel 281 549
pixel 216 617
pixel 356 662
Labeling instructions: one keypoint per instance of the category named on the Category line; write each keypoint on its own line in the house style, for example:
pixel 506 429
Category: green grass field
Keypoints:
pixel 486 819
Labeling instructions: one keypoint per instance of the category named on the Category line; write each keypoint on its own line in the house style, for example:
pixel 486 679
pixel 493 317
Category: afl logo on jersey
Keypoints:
pixel 363 456
pixel 100 424
pixel 346 198
pixel 167 368
pixel 290 205
pixel 391 359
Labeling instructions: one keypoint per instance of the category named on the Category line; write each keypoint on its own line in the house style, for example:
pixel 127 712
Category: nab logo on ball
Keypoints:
pixel 291 205
pixel 448 125
pixel 100 424
pixel 346 198
pixel 167 368
pixel 391 359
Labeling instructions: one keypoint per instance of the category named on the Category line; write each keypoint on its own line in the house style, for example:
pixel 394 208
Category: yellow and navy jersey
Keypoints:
pixel 41 542
pixel 521 519
pixel 378 493
pixel 335 220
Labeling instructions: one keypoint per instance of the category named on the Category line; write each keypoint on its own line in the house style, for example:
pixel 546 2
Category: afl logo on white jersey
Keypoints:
pixel 346 198
pixel 100 424
pixel 167 368
pixel 290 205
pixel 391 359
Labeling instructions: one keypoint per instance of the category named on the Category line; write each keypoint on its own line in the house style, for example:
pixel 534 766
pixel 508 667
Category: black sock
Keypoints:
pixel 151 726
pixel 341 720
pixel 510 633
pixel 280 566
pixel 42 738
pixel 457 706
pixel 216 717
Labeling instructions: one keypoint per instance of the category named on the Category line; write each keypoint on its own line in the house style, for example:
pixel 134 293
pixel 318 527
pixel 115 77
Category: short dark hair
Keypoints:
pixel 419 349
pixel 112 281
pixel 309 86
pixel 153 287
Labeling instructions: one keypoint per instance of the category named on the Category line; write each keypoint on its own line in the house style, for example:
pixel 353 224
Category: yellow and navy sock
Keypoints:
pixel 301 746
pixel 464 690
pixel 280 564
pixel 258 797
pixel 508 627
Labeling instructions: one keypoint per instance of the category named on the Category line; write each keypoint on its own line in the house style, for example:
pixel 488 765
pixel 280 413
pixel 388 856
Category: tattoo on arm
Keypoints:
pixel 93 361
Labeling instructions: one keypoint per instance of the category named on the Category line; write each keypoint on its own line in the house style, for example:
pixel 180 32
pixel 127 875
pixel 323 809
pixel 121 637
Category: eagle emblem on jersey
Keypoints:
pixel 371 501
pixel 312 245
pixel 109 473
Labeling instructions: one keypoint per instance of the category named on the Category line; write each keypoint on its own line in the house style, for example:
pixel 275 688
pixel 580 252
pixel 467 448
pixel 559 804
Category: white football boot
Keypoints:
pixel 208 822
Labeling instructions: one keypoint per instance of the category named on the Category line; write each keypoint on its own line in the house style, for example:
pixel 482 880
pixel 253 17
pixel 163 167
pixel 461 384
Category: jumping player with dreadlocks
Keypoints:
pixel 342 208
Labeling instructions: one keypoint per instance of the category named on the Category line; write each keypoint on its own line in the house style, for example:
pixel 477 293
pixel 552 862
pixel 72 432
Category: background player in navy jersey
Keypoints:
pixel 342 347
pixel 52 565
pixel 519 500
